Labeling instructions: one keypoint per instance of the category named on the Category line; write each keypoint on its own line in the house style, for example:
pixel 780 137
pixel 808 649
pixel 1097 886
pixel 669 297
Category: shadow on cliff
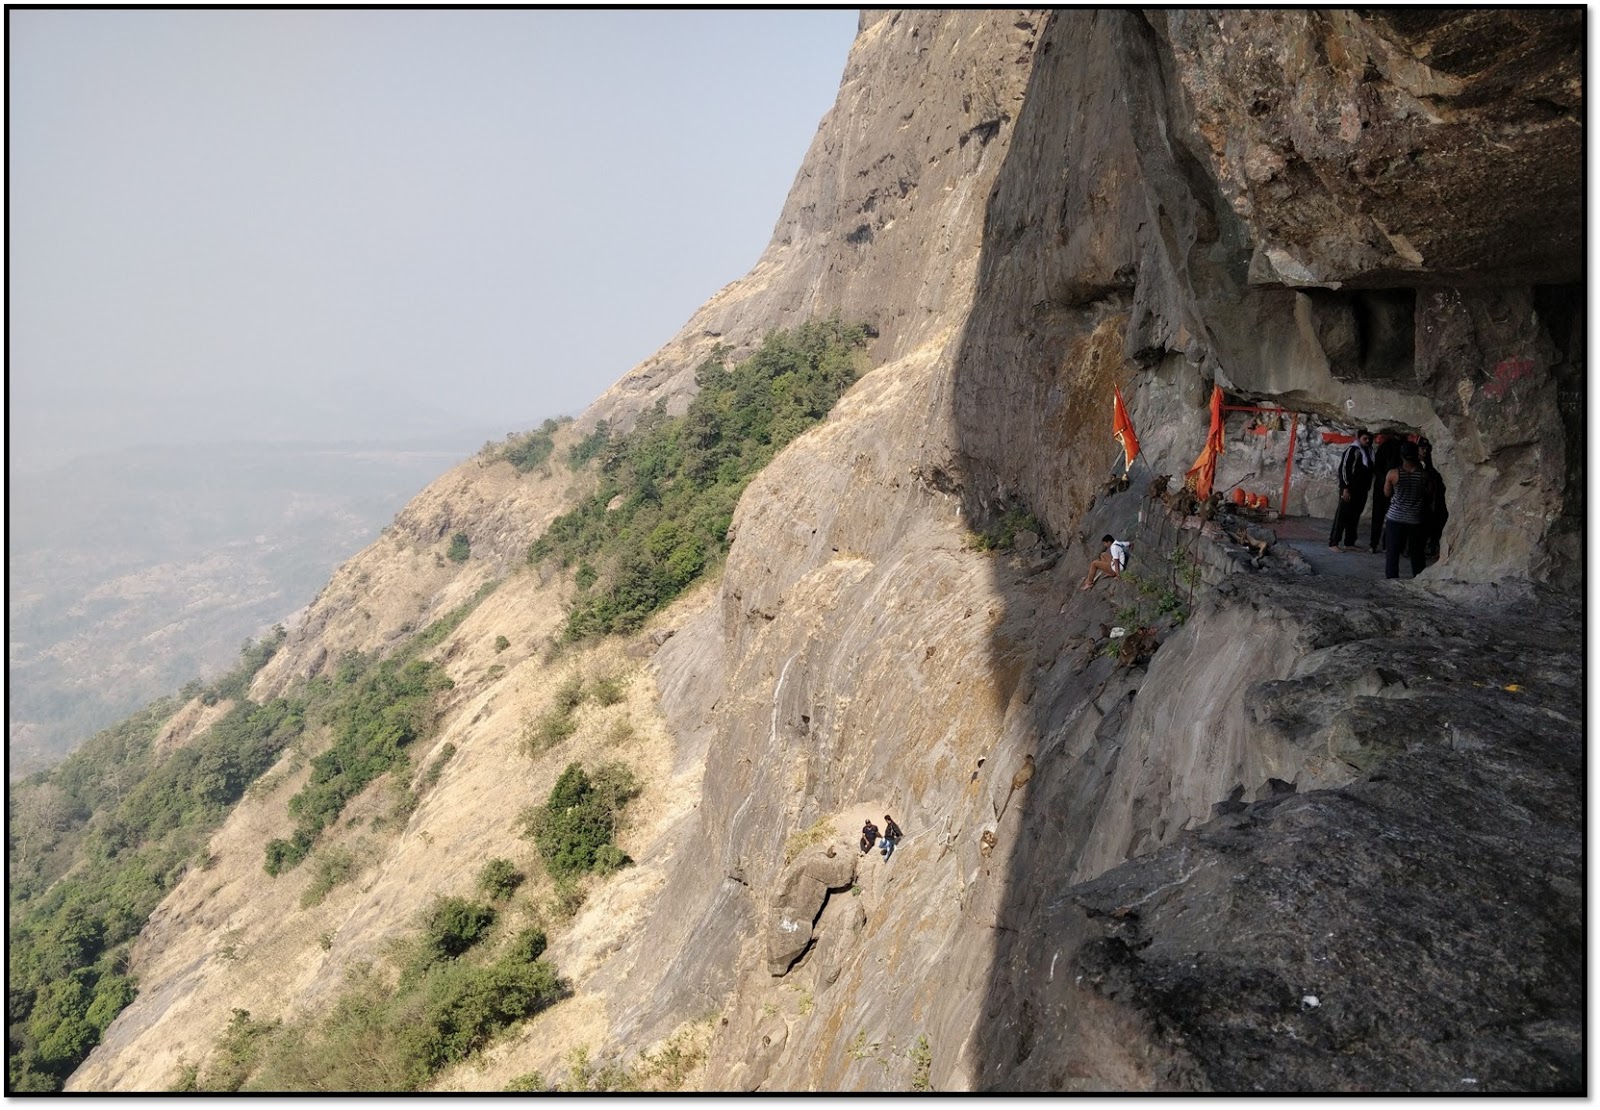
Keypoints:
pixel 1068 287
pixel 1058 295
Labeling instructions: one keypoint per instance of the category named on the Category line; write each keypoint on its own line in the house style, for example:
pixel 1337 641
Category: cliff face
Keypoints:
pixel 1138 232
pixel 886 214
pixel 1288 850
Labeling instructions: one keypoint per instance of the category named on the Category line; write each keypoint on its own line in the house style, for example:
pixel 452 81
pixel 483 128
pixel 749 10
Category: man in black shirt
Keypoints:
pixel 869 836
pixel 1355 480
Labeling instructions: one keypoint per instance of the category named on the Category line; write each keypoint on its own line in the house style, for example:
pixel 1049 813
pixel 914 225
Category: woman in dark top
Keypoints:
pixel 1385 458
pixel 1407 490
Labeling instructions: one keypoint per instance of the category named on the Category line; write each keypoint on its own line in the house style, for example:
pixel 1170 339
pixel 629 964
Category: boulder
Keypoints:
pixel 802 892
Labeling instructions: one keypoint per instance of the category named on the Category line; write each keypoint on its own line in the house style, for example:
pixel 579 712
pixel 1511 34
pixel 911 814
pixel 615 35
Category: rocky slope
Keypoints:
pixel 1325 836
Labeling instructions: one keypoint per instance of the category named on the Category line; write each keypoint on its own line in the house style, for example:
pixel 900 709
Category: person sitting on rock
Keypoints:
pixel 891 835
pixel 869 836
pixel 1113 558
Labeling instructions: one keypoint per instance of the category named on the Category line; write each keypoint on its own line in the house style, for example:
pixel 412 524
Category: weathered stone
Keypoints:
pixel 1273 788
pixel 802 891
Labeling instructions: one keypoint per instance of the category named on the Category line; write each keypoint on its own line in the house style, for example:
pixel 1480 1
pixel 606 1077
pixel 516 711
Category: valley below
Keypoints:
pixel 131 573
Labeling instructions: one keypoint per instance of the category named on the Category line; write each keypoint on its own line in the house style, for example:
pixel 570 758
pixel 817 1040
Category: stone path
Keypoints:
pixel 1309 536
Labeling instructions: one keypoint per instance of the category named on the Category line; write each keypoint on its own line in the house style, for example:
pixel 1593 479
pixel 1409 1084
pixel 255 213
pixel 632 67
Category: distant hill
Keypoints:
pixel 134 571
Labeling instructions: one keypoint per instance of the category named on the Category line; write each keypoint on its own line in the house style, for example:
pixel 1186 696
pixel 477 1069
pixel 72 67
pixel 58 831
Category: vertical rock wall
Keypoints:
pixel 1127 238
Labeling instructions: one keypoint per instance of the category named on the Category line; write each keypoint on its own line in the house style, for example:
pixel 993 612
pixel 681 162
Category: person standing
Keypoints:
pixel 1355 480
pixel 1385 457
pixel 1406 490
pixel 891 836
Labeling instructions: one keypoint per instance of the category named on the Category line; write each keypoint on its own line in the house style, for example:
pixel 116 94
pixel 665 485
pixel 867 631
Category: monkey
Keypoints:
pixel 1018 781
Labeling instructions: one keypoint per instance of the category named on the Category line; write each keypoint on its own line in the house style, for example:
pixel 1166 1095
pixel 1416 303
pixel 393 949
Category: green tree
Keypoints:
pixel 575 830
pixel 454 925
pixel 659 518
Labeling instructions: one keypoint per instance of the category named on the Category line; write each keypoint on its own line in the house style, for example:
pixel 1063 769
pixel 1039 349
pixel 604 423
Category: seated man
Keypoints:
pixel 869 836
pixel 1113 558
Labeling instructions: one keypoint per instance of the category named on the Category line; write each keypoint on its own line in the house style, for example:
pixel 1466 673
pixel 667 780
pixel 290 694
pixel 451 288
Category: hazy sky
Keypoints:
pixel 322 224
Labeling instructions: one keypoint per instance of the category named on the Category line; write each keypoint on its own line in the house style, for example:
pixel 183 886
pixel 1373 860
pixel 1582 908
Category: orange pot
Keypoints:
pixel 1238 496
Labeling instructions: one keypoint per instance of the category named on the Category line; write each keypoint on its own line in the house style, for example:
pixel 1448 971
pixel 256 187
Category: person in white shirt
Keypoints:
pixel 1113 558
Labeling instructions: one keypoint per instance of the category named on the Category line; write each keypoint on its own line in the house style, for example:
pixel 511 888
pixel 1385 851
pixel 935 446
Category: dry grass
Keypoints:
pixel 819 833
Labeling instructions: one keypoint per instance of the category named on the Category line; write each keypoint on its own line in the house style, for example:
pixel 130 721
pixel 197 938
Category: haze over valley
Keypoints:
pixel 133 572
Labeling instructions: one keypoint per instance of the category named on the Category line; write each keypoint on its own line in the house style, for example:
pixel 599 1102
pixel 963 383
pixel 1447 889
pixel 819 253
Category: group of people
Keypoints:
pixel 885 840
pixel 1408 500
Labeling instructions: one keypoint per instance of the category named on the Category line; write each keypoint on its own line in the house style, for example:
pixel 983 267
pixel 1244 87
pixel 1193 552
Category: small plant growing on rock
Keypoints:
pixel 818 833
pixel 333 866
pixel 1002 534
pixel 566 899
pixel 528 945
pixel 608 689
pixel 569 695
pixel 921 1056
pixel 436 767
pixel 541 733
pixel 528 1081
pixel 859 1049
pixel 460 548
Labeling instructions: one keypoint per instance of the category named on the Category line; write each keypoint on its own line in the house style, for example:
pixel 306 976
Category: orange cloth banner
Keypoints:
pixel 1204 470
pixel 1122 431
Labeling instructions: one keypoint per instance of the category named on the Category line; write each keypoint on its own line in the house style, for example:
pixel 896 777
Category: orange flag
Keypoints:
pixel 1204 469
pixel 1122 431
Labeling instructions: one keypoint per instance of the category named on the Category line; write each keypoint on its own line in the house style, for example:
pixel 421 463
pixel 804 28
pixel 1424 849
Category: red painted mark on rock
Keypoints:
pixel 1508 371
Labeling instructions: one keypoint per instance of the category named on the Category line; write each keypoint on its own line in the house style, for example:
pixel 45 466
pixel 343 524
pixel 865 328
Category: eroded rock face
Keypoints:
pixel 1416 930
pixel 801 894
pixel 884 221
pixel 1377 148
